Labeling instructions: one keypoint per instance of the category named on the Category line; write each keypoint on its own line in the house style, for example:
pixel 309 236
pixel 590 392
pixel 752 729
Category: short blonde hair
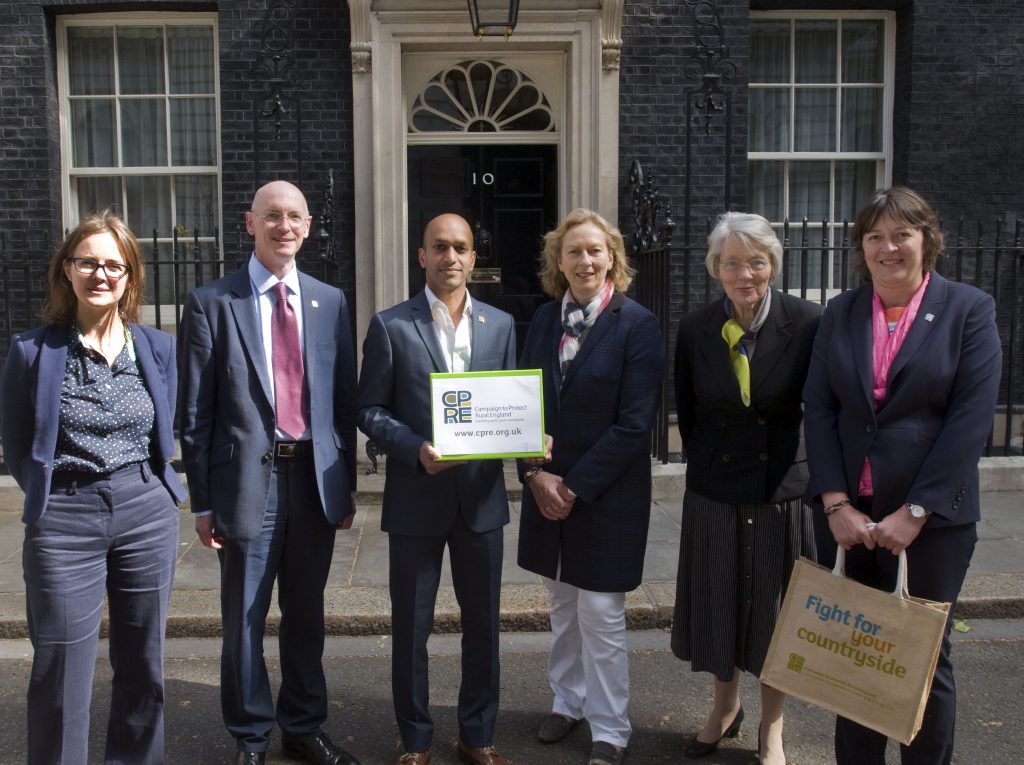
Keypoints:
pixel 554 282
pixel 61 303
pixel 752 230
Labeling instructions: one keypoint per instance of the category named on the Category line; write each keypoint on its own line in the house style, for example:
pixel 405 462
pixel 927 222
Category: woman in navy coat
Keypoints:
pixel 740 366
pixel 899 401
pixel 585 514
pixel 88 402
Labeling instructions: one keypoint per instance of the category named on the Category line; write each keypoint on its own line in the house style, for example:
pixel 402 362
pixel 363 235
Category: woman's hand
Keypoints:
pixel 553 499
pixel 849 526
pixel 897 530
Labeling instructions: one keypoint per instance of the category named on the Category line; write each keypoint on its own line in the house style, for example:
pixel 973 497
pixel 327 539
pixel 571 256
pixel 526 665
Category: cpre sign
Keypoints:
pixel 488 415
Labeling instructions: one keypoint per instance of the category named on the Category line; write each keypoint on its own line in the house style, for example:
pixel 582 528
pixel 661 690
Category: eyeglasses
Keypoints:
pixel 111 268
pixel 735 266
pixel 274 218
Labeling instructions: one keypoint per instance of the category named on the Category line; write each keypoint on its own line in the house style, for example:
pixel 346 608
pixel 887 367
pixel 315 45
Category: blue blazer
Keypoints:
pixel 925 441
pixel 32 382
pixel 600 417
pixel 399 353
pixel 227 414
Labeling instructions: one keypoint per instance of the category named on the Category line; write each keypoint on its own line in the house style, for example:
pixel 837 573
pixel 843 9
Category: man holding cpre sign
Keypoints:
pixel 430 503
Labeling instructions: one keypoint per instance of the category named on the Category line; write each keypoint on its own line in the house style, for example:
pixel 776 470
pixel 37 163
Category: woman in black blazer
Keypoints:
pixel 584 519
pixel 900 399
pixel 87 412
pixel 739 368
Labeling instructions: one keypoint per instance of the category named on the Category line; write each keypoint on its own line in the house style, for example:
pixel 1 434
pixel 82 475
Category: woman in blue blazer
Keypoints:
pixel 585 515
pixel 899 401
pixel 88 405
pixel 740 366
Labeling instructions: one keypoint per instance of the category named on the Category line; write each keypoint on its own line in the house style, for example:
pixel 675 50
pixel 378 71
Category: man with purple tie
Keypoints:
pixel 268 437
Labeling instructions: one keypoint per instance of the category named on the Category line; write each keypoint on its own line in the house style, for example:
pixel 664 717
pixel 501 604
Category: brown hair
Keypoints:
pixel 904 206
pixel 61 302
pixel 554 282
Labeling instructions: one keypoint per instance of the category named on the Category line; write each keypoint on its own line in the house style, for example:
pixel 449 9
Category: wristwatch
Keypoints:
pixel 916 510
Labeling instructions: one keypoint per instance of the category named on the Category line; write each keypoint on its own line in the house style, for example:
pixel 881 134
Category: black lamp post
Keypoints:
pixel 493 27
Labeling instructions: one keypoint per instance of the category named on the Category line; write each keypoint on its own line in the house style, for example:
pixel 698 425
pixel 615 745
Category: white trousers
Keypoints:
pixel 589 668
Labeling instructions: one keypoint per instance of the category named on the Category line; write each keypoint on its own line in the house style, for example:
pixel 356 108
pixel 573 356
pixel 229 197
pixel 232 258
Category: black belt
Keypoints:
pixel 286 450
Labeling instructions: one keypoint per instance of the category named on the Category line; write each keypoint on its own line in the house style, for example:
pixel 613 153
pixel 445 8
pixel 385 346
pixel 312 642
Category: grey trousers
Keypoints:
pixel 114 535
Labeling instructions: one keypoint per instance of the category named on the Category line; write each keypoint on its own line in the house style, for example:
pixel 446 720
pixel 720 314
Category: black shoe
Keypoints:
pixel 317 748
pixel 556 727
pixel 701 749
pixel 250 758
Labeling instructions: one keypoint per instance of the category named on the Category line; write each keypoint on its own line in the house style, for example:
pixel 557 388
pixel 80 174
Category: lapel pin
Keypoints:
pixel 929 316
pixel 481 319
pixel 314 303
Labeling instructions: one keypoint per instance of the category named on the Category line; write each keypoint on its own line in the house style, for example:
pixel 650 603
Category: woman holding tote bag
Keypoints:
pixel 898 403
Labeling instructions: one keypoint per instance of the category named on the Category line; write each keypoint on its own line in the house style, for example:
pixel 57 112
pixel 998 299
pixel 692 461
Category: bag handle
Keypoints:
pixel 900 591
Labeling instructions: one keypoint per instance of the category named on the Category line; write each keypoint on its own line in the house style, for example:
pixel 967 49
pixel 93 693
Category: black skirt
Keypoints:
pixel 734 565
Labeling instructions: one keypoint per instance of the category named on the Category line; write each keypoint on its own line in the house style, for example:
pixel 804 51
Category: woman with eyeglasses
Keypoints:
pixel 87 409
pixel 740 365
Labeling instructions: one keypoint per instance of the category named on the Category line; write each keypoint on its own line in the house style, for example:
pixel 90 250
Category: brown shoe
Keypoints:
pixel 414 758
pixel 483 755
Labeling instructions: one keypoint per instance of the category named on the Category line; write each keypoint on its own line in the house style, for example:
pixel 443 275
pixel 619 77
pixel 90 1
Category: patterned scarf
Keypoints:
pixel 742 342
pixel 577 319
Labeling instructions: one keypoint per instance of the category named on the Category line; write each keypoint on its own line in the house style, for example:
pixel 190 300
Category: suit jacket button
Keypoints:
pixel 726 458
pixel 761 420
pixel 763 457
pixel 266 458
pixel 869 429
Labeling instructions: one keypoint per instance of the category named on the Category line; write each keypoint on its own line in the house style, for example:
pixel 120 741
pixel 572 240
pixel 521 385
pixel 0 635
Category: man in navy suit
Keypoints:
pixel 429 504
pixel 268 438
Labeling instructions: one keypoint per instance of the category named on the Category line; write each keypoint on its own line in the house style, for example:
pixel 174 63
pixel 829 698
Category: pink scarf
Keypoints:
pixel 884 347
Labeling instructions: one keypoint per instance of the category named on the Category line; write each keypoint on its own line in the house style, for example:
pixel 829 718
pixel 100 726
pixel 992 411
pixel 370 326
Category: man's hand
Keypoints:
pixel 206 534
pixel 548 443
pixel 430 458
pixel 553 499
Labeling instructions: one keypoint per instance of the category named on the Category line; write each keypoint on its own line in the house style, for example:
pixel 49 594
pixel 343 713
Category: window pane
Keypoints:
pixel 91 61
pixel 855 181
pixel 196 204
pixel 149 205
pixel 190 59
pixel 863 51
pixel 765 188
pixel 769 51
pixel 769 119
pixel 193 135
pixel 92 133
pixel 95 194
pixel 815 120
pixel 815 43
pixel 140 60
pixel 143 133
pixel 862 119
pixel 809 191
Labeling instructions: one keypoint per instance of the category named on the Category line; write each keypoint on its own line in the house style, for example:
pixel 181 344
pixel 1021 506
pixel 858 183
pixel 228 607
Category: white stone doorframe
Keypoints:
pixel 586 31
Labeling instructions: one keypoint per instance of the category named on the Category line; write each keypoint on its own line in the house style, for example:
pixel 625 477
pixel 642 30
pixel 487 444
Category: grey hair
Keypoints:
pixel 753 231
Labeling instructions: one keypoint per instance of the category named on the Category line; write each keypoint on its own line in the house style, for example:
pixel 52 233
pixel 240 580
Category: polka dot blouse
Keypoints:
pixel 106 413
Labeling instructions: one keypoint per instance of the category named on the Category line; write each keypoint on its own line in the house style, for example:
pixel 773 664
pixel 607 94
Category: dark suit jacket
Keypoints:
pixel 736 453
pixel 227 418
pixel 925 440
pixel 600 419
pixel 32 383
pixel 399 353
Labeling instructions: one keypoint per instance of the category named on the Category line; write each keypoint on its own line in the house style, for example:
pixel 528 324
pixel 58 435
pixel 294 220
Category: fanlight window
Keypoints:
pixel 480 97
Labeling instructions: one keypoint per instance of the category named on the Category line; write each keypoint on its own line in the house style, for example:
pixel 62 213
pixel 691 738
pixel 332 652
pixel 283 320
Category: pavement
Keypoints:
pixel 357 601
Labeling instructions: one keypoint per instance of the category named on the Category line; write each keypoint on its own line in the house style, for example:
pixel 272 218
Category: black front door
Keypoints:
pixel 509 196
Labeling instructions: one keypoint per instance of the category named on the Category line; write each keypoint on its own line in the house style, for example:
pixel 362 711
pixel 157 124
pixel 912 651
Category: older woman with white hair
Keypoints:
pixel 740 366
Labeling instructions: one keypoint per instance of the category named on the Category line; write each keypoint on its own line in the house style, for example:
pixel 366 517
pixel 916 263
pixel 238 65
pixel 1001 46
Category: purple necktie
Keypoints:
pixel 290 397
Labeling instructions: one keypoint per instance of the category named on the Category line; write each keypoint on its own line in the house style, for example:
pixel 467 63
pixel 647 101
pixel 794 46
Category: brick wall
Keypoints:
pixel 30 195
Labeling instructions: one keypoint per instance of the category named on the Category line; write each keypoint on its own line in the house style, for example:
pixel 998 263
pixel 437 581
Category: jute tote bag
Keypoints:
pixel 862 653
